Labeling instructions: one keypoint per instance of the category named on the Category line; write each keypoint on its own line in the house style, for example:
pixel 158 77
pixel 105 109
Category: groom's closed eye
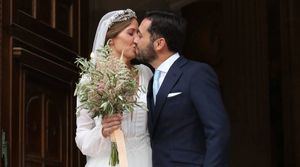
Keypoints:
pixel 139 34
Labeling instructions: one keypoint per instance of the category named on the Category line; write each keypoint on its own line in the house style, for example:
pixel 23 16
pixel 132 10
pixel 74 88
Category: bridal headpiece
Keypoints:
pixel 123 15
pixel 107 21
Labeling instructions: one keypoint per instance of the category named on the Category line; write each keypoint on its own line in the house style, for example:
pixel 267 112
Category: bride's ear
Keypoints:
pixel 110 42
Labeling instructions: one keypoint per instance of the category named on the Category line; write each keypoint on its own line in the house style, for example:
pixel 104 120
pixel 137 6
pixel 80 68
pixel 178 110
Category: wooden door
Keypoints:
pixel 229 35
pixel 254 47
pixel 41 41
pixel 1 44
pixel 290 81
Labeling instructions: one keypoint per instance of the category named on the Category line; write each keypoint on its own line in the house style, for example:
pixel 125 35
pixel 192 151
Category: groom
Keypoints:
pixel 187 121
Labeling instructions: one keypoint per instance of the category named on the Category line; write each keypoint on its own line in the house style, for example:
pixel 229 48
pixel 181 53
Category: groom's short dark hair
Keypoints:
pixel 169 26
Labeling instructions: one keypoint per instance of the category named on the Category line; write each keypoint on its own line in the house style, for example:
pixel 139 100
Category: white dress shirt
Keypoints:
pixel 165 66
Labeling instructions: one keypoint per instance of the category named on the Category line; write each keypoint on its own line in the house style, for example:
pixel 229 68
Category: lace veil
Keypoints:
pixel 106 22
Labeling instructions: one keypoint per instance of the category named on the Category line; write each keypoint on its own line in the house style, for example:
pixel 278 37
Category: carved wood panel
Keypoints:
pixel 43 116
pixel 57 14
pixel 55 20
pixel 45 12
pixel 44 119
pixel 42 40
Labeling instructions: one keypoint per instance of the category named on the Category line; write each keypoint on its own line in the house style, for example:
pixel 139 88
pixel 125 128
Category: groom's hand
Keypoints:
pixel 111 123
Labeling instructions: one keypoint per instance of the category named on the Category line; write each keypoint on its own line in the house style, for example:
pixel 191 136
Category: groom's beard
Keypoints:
pixel 146 55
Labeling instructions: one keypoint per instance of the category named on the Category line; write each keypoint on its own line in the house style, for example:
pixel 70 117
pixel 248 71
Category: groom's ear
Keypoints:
pixel 160 43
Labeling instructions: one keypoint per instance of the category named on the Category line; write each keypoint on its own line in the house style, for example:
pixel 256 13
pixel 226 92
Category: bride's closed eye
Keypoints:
pixel 131 32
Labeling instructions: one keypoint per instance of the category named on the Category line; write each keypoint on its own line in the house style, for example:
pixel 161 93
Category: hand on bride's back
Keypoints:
pixel 111 123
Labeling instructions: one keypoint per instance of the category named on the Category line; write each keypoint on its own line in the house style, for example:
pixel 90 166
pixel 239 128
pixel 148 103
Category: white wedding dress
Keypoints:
pixel 97 149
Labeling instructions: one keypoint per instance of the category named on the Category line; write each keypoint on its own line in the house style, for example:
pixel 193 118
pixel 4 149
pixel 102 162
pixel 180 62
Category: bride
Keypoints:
pixel 120 28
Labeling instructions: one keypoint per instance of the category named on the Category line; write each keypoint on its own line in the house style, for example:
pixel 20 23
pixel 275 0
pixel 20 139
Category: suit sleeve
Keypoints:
pixel 206 98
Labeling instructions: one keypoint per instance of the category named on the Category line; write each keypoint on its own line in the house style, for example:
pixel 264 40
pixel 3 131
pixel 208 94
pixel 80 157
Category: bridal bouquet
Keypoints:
pixel 107 87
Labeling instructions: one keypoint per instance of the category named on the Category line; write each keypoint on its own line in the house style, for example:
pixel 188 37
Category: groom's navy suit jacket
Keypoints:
pixel 191 128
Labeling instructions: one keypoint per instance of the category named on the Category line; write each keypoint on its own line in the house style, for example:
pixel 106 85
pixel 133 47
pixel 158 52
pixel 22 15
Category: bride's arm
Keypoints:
pixel 89 138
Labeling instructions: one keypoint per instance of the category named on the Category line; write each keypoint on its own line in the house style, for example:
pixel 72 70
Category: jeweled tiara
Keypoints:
pixel 122 16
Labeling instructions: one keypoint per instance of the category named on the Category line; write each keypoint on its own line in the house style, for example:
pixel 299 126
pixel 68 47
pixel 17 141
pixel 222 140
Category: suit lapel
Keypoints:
pixel 170 80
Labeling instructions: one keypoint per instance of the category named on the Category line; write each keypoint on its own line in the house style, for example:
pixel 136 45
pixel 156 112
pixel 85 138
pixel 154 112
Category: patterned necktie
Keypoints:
pixel 155 84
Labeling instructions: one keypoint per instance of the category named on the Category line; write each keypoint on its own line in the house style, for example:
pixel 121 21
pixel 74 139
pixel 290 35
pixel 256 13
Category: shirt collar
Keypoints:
pixel 165 66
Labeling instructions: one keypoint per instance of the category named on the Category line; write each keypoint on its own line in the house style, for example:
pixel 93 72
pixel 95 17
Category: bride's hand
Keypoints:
pixel 111 123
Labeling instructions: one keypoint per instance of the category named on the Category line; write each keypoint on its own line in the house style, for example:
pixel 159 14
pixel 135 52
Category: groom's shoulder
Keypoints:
pixel 201 70
pixel 197 65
